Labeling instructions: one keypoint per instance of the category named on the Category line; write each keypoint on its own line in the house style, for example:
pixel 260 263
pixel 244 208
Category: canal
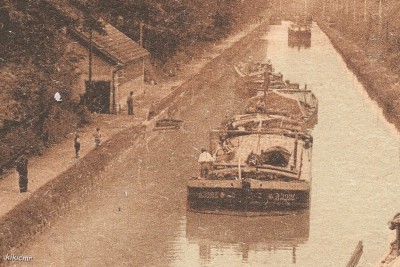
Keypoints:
pixel 139 217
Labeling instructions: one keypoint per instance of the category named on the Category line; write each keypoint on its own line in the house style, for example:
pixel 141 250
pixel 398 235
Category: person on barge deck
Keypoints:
pixel 206 161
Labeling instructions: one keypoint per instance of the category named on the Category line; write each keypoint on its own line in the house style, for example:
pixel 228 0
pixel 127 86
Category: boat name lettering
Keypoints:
pixel 284 197
pixel 208 195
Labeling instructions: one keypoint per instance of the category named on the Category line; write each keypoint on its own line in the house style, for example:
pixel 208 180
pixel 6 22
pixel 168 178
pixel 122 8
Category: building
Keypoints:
pixel 117 68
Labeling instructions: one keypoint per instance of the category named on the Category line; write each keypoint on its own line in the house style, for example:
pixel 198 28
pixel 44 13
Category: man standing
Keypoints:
pixel 97 137
pixel 206 161
pixel 129 101
pixel 22 169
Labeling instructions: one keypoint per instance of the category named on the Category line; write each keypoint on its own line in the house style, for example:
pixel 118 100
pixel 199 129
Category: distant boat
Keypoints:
pixel 275 20
pixel 299 32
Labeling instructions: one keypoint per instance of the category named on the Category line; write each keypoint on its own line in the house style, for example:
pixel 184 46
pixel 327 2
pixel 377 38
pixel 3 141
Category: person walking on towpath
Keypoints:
pixel 77 145
pixel 97 137
pixel 22 169
pixel 129 101
pixel 206 162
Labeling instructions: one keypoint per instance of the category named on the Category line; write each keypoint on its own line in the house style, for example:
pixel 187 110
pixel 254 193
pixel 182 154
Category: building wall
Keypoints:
pixel 129 78
pixel 101 69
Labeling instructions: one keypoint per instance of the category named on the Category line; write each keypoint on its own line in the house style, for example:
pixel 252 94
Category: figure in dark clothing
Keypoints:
pixel 77 145
pixel 129 101
pixel 45 138
pixel 97 137
pixel 253 159
pixel 22 169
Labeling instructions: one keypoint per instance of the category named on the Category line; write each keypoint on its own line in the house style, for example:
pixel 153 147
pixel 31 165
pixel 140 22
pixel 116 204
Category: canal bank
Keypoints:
pixel 140 208
pixel 381 83
pixel 355 155
pixel 66 191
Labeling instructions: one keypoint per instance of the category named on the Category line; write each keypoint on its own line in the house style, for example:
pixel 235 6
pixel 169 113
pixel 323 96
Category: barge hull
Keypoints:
pixel 246 199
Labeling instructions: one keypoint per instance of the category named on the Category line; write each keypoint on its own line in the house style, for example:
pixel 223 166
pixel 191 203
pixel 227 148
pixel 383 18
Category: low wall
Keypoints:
pixel 52 200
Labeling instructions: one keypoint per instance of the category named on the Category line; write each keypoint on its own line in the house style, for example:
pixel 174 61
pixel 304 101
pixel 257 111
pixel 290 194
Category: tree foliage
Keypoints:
pixel 171 24
pixel 34 64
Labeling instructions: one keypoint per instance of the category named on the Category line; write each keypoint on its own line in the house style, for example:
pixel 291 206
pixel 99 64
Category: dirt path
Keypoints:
pixel 123 144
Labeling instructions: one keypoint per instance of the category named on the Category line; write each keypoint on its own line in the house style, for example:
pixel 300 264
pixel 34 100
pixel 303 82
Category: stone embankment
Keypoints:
pixel 380 82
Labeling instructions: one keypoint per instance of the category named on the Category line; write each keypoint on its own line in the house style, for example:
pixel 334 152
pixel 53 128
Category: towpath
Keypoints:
pixel 61 157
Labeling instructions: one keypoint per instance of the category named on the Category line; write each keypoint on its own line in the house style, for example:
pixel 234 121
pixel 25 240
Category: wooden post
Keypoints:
pixel 365 11
pixel 296 142
pixel 143 71
pixel 293 254
pixel 90 57
pixel 141 34
pixel 114 90
pixel 355 257
pixel 387 31
pixel 266 86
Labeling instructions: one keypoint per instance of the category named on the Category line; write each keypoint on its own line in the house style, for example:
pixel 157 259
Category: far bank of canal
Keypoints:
pixel 379 81
pixel 355 157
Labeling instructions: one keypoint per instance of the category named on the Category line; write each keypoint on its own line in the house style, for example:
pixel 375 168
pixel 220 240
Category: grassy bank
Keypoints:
pixel 381 83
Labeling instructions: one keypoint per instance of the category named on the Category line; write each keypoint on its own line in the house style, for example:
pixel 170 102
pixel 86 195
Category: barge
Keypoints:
pixel 275 81
pixel 275 20
pixel 299 32
pixel 299 105
pixel 255 171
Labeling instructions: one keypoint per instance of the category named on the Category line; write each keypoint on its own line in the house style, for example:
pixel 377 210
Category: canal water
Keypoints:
pixel 355 177
pixel 139 218
pixel 355 156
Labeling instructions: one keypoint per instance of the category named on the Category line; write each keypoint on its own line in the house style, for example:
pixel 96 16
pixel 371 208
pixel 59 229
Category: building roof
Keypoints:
pixel 114 45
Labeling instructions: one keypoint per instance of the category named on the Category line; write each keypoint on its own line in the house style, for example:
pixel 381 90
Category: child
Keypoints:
pixel 77 145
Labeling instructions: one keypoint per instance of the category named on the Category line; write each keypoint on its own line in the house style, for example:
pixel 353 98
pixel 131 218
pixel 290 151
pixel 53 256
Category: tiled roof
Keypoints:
pixel 115 45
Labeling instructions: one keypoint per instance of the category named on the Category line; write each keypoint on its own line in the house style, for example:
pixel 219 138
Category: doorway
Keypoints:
pixel 98 96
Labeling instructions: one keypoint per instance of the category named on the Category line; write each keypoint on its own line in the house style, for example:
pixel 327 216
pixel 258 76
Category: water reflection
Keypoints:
pixel 355 154
pixel 247 235
pixel 299 43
